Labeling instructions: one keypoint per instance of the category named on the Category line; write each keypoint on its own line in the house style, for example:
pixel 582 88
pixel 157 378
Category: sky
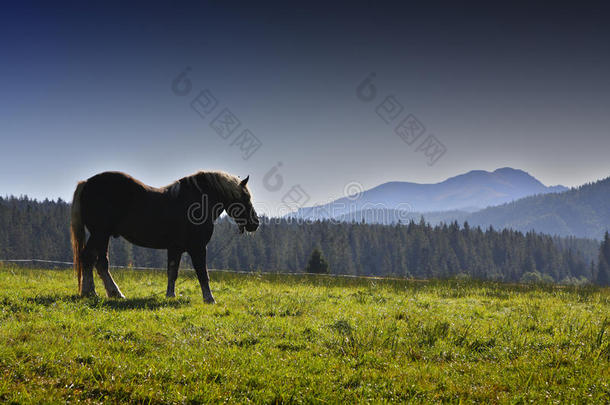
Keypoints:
pixel 320 99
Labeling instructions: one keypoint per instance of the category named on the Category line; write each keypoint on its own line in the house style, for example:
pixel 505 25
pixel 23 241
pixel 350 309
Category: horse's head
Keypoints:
pixel 242 211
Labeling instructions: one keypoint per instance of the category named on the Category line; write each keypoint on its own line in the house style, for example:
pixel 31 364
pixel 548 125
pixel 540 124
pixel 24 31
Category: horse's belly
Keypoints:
pixel 152 243
pixel 145 235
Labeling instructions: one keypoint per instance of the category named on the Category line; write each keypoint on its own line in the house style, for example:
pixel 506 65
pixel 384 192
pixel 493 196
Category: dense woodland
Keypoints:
pixel 582 211
pixel 31 229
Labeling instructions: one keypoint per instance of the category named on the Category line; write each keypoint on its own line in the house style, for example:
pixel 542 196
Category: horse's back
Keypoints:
pixel 107 198
pixel 117 181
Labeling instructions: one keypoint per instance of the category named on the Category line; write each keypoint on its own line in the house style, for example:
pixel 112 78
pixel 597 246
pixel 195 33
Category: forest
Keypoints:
pixel 40 229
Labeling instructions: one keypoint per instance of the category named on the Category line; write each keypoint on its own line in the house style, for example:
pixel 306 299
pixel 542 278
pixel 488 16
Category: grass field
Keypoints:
pixel 277 338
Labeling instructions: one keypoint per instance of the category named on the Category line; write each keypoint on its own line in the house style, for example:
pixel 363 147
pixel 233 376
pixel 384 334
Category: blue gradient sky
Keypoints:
pixel 87 88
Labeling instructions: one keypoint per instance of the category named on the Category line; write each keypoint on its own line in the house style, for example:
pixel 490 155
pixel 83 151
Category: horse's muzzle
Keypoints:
pixel 249 228
pixel 252 227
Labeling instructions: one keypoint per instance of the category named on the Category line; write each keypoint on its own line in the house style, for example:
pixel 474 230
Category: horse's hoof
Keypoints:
pixel 88 294
pixel 116 294
pixel 170 295
pixel 209 300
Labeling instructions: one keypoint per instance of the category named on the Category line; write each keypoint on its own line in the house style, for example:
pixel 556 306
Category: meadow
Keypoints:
pixel 307 339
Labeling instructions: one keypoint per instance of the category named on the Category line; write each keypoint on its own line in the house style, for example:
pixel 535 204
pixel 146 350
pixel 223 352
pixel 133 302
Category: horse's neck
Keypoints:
pixel 216 207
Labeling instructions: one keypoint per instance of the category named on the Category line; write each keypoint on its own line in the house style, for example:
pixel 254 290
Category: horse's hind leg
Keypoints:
pixel 112 290
pixel 88 259
pixel 173 262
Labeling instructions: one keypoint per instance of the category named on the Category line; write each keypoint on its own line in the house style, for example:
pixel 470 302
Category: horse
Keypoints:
pixel 179 218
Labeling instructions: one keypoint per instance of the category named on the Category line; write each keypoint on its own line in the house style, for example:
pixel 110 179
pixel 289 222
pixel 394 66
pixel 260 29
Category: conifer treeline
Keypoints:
pixel 31 229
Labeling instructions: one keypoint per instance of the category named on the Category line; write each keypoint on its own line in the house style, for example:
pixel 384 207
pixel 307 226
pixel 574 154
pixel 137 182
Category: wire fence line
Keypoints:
pixel 70 263
pixel 214 270
pixel 218 250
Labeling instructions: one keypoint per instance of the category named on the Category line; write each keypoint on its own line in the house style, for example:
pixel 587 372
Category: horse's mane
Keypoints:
pixel 225 185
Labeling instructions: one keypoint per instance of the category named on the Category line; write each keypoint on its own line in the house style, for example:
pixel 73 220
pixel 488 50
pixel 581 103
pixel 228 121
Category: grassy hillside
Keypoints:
pixel 302 339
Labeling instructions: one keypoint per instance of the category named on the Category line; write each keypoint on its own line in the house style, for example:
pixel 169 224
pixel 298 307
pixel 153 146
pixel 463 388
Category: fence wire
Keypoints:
pixel 213 270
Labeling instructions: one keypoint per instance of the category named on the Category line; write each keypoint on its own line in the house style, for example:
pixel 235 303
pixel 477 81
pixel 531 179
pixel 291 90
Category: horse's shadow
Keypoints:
pixel 148 303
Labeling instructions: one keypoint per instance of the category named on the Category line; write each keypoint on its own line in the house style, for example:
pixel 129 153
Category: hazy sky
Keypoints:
pixel 90 88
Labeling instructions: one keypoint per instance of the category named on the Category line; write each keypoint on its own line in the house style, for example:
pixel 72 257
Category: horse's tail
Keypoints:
pixel 77 233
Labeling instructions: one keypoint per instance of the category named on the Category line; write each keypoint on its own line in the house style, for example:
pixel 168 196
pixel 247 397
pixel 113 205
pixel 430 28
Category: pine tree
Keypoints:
pixel 33 229
pixel 317 263
pixel 603 267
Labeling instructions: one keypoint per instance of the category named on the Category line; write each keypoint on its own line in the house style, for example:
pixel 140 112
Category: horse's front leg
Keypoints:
pixel 198 258
pixel 173 262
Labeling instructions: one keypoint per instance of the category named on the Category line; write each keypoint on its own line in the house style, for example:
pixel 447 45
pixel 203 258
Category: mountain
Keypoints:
pixel 468 192
pixel 582 212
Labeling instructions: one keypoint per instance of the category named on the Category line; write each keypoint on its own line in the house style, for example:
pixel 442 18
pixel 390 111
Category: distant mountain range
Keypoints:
pixel 505 198
pixel 583 211
pixel 469 192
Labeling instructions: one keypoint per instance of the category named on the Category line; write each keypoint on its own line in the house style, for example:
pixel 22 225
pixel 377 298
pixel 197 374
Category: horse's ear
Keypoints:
pixel 244 181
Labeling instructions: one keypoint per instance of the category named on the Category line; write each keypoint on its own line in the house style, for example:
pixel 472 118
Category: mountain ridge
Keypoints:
pixel 471 191
pixel 582 212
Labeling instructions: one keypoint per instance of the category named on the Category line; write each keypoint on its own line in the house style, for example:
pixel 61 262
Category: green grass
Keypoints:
pixel 275 338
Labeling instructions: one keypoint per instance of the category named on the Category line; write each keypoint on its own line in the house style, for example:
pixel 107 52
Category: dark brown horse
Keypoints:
pixel 179 218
